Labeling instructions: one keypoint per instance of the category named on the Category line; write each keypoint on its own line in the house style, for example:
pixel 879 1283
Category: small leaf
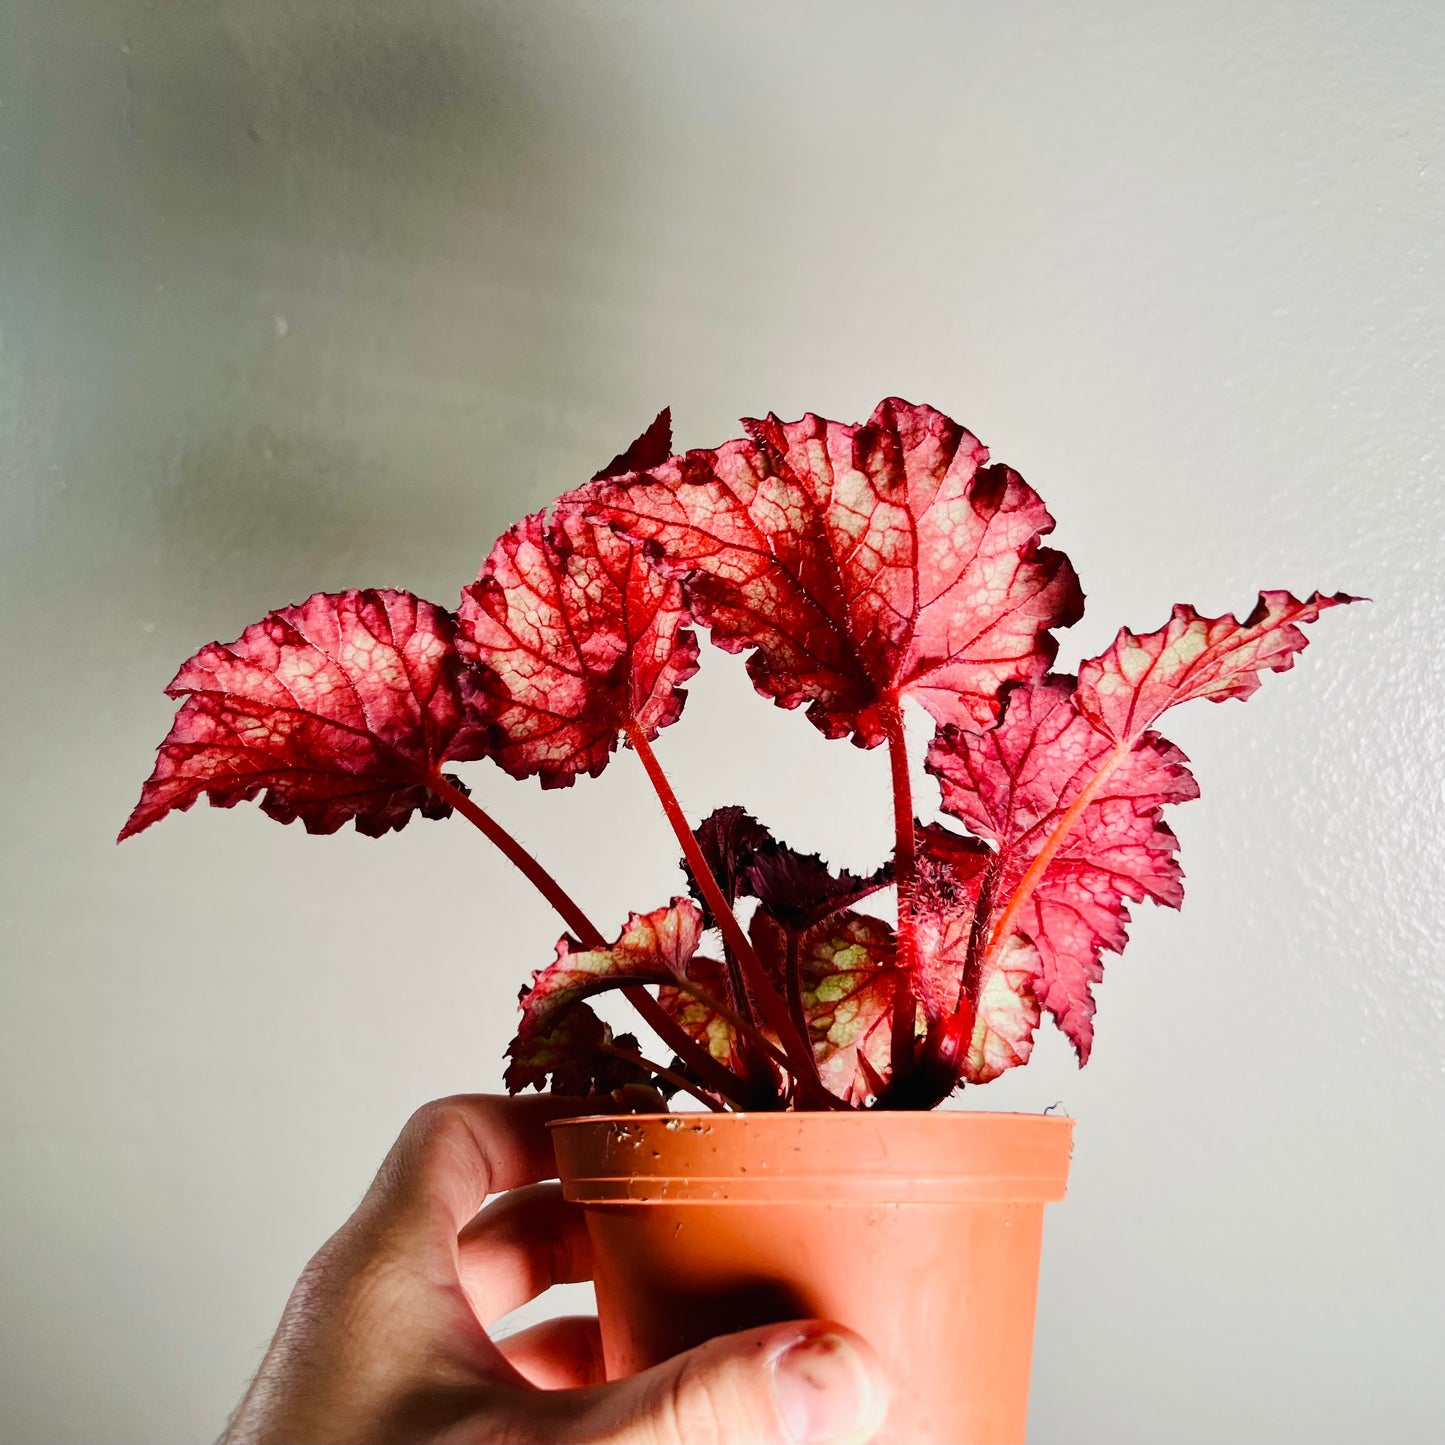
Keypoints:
pixel 849 979
pixel 949 875
pixel 654 947
pixel 857 564
pixel 1126 689
pixel 572 636
pixel 1006 1014
pixel 698 1019
pixel 651 449
pixel 575 1049
pixel 849 984
pixel 730 838
pixel 800 890
pixel 341 708
pixel 991 1024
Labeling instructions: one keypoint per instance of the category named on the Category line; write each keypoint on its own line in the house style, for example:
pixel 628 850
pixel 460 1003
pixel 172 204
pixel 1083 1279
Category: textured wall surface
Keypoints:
pixel 309 295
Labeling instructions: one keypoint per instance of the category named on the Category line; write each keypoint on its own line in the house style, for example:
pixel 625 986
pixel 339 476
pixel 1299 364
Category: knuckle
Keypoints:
pixel 701 1406
pixel 439 1117
pixel 436 1132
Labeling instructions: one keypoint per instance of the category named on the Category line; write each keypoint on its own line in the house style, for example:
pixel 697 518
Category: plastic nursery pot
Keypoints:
pixel 921 1231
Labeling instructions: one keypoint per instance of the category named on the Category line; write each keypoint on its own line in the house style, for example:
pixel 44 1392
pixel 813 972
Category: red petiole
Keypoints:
pixel 775 1010
pixel 707 1068
pixel 904 863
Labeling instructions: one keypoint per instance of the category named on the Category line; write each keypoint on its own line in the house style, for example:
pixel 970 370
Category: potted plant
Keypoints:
pixel 859 567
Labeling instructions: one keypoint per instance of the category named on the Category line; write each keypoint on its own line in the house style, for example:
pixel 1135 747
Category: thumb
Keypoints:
pixel 803 1383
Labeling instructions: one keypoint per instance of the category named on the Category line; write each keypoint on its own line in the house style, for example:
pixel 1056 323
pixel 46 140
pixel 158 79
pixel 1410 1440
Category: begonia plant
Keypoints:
pixel 858 567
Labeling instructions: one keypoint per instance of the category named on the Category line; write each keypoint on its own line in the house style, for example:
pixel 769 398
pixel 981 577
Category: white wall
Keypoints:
pixel 314 295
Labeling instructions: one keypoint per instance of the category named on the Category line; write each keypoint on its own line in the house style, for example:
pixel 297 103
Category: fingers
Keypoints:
pixel 519 1246
pixel 454 1152
pixel 560 1354
pixel 799 1383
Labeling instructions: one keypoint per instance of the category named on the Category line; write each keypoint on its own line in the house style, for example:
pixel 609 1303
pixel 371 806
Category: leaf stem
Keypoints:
pixel 1045 855
pixel 793 970
pixel 653 1014
pixel 760 1041
pixel 904 864
pixel 801 1062
pixel 535 874
pixel 671 1076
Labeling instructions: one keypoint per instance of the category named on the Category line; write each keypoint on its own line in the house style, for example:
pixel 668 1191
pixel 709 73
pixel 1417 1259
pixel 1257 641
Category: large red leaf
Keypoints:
pixel 653 947
pixel 858 564
pixel 1015 785
pixel 1068 789
pixel 572 637
pixel 340 708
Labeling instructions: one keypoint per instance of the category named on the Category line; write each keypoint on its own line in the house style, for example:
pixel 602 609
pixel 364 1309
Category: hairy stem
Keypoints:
pixel 590 936
pixel 800 1057
pixel 904 862
pixel 535 874
pixel 793 971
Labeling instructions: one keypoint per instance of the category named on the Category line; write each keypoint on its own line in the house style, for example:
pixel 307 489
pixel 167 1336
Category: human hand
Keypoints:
pixel 384 1338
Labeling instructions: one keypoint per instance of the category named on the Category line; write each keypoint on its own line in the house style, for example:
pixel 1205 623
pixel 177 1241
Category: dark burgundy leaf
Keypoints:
pixel 799 889
pixel 651 449
pixel 730 839
pixel 341 708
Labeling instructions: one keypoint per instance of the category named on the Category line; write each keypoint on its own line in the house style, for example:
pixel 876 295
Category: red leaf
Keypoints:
pixel 1006 1014
pixel 341 708
pixel 698 1019
pixel 949 875
pixel 859 564
pixel 1126 689
pixel 654 947
pixel 651 449
pixel 848 980
pixel 578 1052
pixel 1069 789
pixel 573 637
pixel 1037 777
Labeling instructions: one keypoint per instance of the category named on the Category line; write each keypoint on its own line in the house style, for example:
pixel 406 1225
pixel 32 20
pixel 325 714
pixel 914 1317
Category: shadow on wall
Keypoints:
pixel 339 233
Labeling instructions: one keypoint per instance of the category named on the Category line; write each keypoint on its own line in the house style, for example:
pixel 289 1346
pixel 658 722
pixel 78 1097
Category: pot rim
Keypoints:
pixel 945 1156
pixel 759 1115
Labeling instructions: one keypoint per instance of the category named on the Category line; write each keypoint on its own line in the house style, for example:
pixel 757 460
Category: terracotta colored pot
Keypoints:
pixel 921 1231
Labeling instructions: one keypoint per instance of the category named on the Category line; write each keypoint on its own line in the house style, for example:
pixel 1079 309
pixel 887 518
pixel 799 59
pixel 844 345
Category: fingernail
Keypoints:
pixel 823 1389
